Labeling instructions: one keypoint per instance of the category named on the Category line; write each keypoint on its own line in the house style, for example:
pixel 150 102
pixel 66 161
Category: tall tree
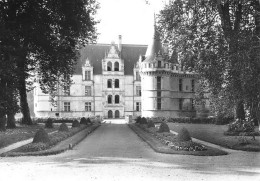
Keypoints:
pixel 49 34
pixel 215 39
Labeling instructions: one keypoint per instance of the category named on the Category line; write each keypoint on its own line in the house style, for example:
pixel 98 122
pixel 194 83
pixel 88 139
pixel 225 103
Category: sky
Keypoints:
pixel 133 19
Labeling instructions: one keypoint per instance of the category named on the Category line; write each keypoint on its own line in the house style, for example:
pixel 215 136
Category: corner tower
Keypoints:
pixel 162 80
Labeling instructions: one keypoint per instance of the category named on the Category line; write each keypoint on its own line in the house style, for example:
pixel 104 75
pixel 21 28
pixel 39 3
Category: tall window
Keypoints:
pixel 159 103
pixel 109 99
pixel 159 64
pixel 88 106
pixel 138 91
pixel 138 106
pixel 138 77
pixel 109 83
pixel 117 99
pixel 109 66
pixel 192 85
pixel 159 82
pixel 87 75
pixel 180 84
pixel 67 90
pixel 87 90
pixel 116 66
pixel 180 104
pixel 117 83
pixel 67 106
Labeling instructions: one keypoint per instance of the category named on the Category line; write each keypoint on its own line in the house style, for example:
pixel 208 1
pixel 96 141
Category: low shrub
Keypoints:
pixel 41 136
pixel 75 124
pixel 240 125
pixel 49 123
pixel 143 120
pixel 63 127
pixel 138 119
pixel 150 124
pixel 83 120
pixel 164 128
pixel 183 135
pixel 223 120
pixel 89 121
pixel 209 120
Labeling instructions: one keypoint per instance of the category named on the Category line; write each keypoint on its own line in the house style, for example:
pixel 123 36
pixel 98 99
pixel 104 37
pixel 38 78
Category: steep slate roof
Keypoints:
pixel 155 47
pixel 96 52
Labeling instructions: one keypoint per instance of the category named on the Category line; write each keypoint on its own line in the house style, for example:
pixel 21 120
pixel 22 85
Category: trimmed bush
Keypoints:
pixel 75 124
pixel 150 124
pixel 83 120
pixel 183 135
pixel 89 121
pixel 143 120
pixel 164 128
pixel 63 127
pixel 49 123
pixel 41 136
pixel 138 119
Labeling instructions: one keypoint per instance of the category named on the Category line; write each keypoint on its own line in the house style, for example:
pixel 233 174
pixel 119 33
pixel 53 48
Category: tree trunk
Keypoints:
pixel 2 122
pixel 240 111
pixel 24 103
pixel 22 91
pixel 11 121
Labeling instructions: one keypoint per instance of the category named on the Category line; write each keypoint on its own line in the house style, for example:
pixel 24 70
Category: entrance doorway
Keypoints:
pixel 117 114
pixel 110 114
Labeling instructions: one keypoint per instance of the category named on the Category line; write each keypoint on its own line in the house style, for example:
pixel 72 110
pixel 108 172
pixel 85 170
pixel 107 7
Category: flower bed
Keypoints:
pixel 241 128
pixel 54 139
pixel 171 140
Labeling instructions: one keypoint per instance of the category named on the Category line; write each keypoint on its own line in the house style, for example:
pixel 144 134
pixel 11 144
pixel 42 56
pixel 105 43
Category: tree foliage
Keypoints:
pixel 219 40
pixel 42 38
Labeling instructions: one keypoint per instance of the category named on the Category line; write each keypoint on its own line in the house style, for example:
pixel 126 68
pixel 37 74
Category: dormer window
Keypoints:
pixel 138 77
pixel 87 75
pixel 116 66
pixel 109 66
pixel 159 64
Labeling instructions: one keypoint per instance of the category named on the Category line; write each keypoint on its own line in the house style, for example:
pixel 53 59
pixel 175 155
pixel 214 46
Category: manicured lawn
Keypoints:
pixel 215 134
pixel 22 132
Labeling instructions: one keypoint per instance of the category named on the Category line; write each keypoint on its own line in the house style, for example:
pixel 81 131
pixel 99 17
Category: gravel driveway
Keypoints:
pixel 114 152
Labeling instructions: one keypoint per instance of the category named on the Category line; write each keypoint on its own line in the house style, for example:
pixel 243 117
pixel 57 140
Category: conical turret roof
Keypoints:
pixel 174 57
pixel 155 47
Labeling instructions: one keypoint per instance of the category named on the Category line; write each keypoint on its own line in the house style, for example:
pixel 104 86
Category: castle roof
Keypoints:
pixel 155 47
pixel 95 53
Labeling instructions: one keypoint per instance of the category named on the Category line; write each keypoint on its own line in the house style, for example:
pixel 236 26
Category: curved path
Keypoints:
pixel 114 152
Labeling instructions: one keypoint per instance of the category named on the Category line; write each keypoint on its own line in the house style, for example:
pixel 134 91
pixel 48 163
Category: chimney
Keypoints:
pixel 120 42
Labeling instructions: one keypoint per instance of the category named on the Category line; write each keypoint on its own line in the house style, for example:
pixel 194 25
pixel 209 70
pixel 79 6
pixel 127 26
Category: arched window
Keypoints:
pixel 116 66
pixel 110 114
pixel 109 83
pixel 117 83
pixel 109 66
pixel 109 99
pixel 117 99
pixel 117 114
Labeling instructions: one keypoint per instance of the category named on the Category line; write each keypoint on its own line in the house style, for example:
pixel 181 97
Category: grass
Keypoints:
pixel 61 142
pixel 160 147
pixel 22 132
pixel 54 139
pixel 215 134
